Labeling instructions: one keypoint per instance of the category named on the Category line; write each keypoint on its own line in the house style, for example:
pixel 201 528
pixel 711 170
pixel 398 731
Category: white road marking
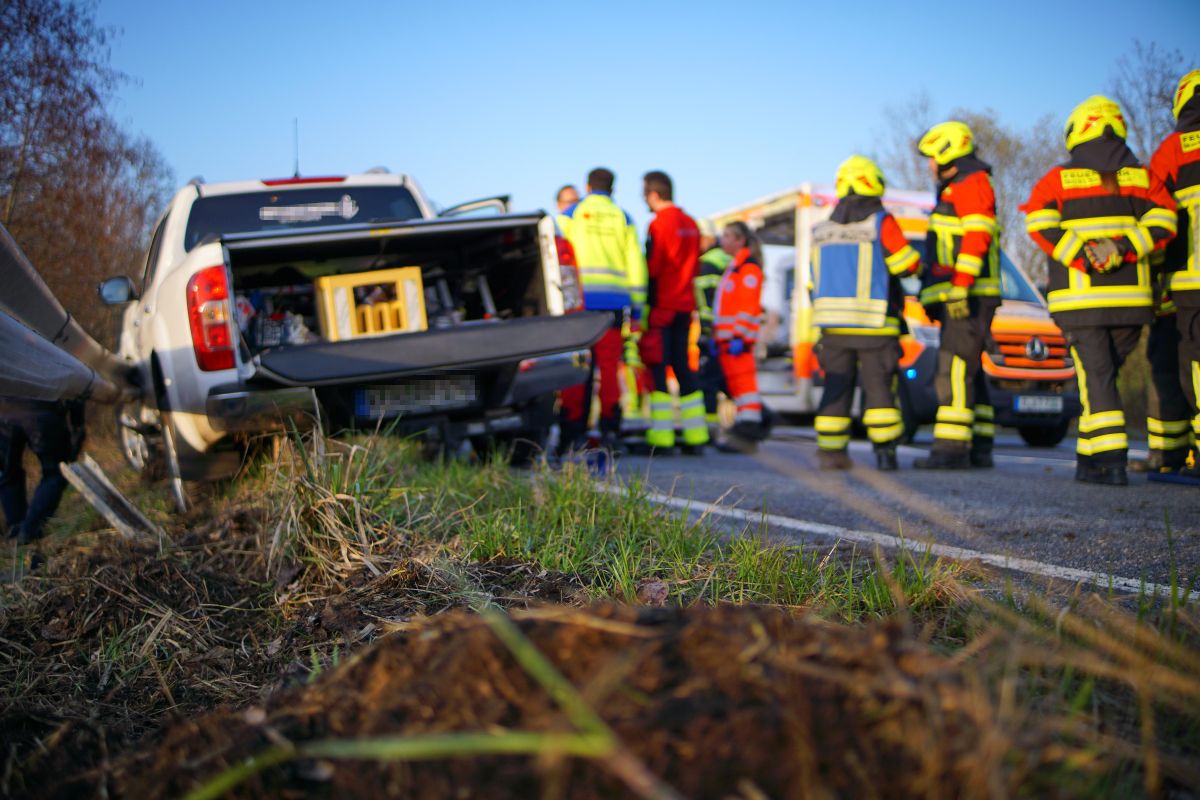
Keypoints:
pixel 884 540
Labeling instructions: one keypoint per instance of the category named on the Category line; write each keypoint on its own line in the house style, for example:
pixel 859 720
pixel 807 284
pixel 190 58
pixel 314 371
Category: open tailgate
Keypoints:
pixel 430 352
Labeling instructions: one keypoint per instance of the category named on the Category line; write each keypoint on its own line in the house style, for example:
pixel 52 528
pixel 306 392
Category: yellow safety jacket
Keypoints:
pixel 611 263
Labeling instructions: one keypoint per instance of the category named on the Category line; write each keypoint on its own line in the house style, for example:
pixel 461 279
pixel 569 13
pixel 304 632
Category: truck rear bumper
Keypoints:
pixel 259 410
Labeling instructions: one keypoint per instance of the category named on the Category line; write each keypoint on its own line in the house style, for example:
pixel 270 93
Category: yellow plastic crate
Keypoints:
pixel 342 317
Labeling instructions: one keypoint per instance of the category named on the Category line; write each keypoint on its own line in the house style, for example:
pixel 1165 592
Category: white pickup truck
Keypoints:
pixel 257 306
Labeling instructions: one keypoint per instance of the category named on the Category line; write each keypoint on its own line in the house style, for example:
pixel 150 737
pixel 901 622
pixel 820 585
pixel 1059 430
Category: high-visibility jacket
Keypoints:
pixel 713 264
pixel 856 267
pixel 962 247
pixel 672 255
pixel 610 260
pixel 1177 164
pixel 1069 207
pixel 738 306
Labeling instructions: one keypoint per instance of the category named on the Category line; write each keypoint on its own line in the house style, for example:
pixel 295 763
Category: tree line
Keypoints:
pixel 78 192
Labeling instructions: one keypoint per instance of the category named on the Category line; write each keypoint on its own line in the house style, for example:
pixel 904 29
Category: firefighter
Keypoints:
pixel 672 255
pixel 858 256
pixel 1177 165
pixel 960 288
pixel 736 312
pixel 713 263
pixel 1168 423
pixel 613 273
pixel 1099 217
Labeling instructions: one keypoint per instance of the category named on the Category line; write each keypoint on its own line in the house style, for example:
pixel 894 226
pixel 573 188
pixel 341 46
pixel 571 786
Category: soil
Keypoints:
pixel 718 702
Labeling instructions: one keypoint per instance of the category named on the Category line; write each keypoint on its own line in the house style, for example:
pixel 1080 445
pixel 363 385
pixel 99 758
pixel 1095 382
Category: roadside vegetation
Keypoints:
pixel 322 615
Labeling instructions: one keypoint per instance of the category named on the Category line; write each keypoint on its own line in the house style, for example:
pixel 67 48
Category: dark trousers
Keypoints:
pixel 872 363
pixel 1168 413
pixel 675 356
pixel 1188 322
pixel 1099 354
pixel 965 416
pixel 710 377
pixel 44 431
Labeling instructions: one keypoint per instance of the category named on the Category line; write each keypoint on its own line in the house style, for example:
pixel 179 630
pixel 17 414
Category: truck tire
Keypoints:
pixel 140 447
pixel 1045 436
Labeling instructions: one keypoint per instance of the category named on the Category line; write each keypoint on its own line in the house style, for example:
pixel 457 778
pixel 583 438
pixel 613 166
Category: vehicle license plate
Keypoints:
pixel 426 394
pixel 1037 404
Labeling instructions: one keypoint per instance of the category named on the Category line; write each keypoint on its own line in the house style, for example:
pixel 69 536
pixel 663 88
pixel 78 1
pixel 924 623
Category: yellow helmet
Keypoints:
pixel 1091 118
pixel 860 175
pixel 947 141
pixel 1186 91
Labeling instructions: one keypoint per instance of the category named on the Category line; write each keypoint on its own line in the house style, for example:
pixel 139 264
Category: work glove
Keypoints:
pixel 736 347
pixel 957 306
pixel 1103 254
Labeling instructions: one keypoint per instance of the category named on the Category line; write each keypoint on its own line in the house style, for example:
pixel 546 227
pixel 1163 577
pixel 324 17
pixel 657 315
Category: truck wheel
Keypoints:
pixel 140 447
pixel 1048 436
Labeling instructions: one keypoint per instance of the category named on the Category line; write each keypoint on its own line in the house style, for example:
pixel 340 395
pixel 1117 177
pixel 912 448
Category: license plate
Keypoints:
pixel 426 394
pixel 1037 404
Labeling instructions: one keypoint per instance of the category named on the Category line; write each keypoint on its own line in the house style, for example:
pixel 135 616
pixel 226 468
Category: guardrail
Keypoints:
pixel 47 354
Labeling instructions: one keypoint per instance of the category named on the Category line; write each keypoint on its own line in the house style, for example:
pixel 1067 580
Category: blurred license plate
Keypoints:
pixel 426 394
pixel 1037 404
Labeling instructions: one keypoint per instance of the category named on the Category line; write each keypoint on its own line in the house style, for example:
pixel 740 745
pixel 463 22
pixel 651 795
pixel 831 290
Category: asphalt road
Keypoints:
pixel 1028 507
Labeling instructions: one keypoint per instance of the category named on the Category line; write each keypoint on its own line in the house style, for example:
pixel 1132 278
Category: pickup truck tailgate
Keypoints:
pixel 402 355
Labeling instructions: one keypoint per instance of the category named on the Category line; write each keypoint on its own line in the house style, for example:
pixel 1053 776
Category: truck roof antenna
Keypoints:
pixel 296 144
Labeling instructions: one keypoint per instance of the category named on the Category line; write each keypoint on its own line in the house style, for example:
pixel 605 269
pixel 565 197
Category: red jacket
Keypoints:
pixel 1177 165
pixel 672 256
pixel 739 300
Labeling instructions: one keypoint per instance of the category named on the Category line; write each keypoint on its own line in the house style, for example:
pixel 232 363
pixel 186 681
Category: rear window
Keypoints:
pixel 275 210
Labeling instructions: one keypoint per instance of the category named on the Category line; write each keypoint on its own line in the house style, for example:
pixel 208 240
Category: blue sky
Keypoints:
pixel 733 100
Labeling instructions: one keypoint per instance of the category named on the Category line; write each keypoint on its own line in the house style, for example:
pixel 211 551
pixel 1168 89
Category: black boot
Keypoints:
pixel 944 459
pixel 885 459
pixel 1102 474
pixel 981 457
pixel 833 459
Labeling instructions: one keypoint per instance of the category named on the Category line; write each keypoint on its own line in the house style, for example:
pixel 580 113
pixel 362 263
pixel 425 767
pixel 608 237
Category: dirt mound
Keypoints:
pixel 718 702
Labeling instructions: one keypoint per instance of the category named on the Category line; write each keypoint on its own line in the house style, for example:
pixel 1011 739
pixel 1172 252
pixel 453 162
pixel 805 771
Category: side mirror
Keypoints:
pixel 117 291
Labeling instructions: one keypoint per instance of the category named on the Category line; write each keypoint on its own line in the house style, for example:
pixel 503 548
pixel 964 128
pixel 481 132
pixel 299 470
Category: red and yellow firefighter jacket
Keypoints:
pixel 962 248
pixel 738 305
pixel 1177 165
pixel 1069 207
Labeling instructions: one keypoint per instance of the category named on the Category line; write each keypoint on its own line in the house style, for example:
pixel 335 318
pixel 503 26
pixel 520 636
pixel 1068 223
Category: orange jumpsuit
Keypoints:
pixel 736 313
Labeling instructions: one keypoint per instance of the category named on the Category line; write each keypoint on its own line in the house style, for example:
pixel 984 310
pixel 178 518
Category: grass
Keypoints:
pixel 368 525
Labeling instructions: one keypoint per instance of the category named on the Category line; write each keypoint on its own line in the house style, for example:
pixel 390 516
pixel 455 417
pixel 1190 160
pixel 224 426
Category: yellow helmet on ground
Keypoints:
pixel 860 175
pixel 1186 91
pixel 1091 118
pixel 947 141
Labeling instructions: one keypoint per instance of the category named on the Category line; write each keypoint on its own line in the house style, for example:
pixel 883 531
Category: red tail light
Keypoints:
pixel 209 314
pixel 296 181
pixel 568 270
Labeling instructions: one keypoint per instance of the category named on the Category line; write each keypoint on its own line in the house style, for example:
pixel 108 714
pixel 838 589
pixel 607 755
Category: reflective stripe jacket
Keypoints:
pixel 713 264
pixel 856 267
pixel 672 254
pixel 1069 207
pixel 1177 165
pixel 738 305
pixel 606 246
pixel 962 247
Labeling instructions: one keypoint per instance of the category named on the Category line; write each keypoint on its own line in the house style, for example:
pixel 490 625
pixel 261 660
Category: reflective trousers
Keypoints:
pixel 965 417
pixel 661 432
pixel 850 360
pixel 1188 321
pixel 1169 415
pixel 741 379
pixel 1099 354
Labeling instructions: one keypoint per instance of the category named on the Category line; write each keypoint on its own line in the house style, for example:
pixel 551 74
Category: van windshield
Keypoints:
pixel 275 210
